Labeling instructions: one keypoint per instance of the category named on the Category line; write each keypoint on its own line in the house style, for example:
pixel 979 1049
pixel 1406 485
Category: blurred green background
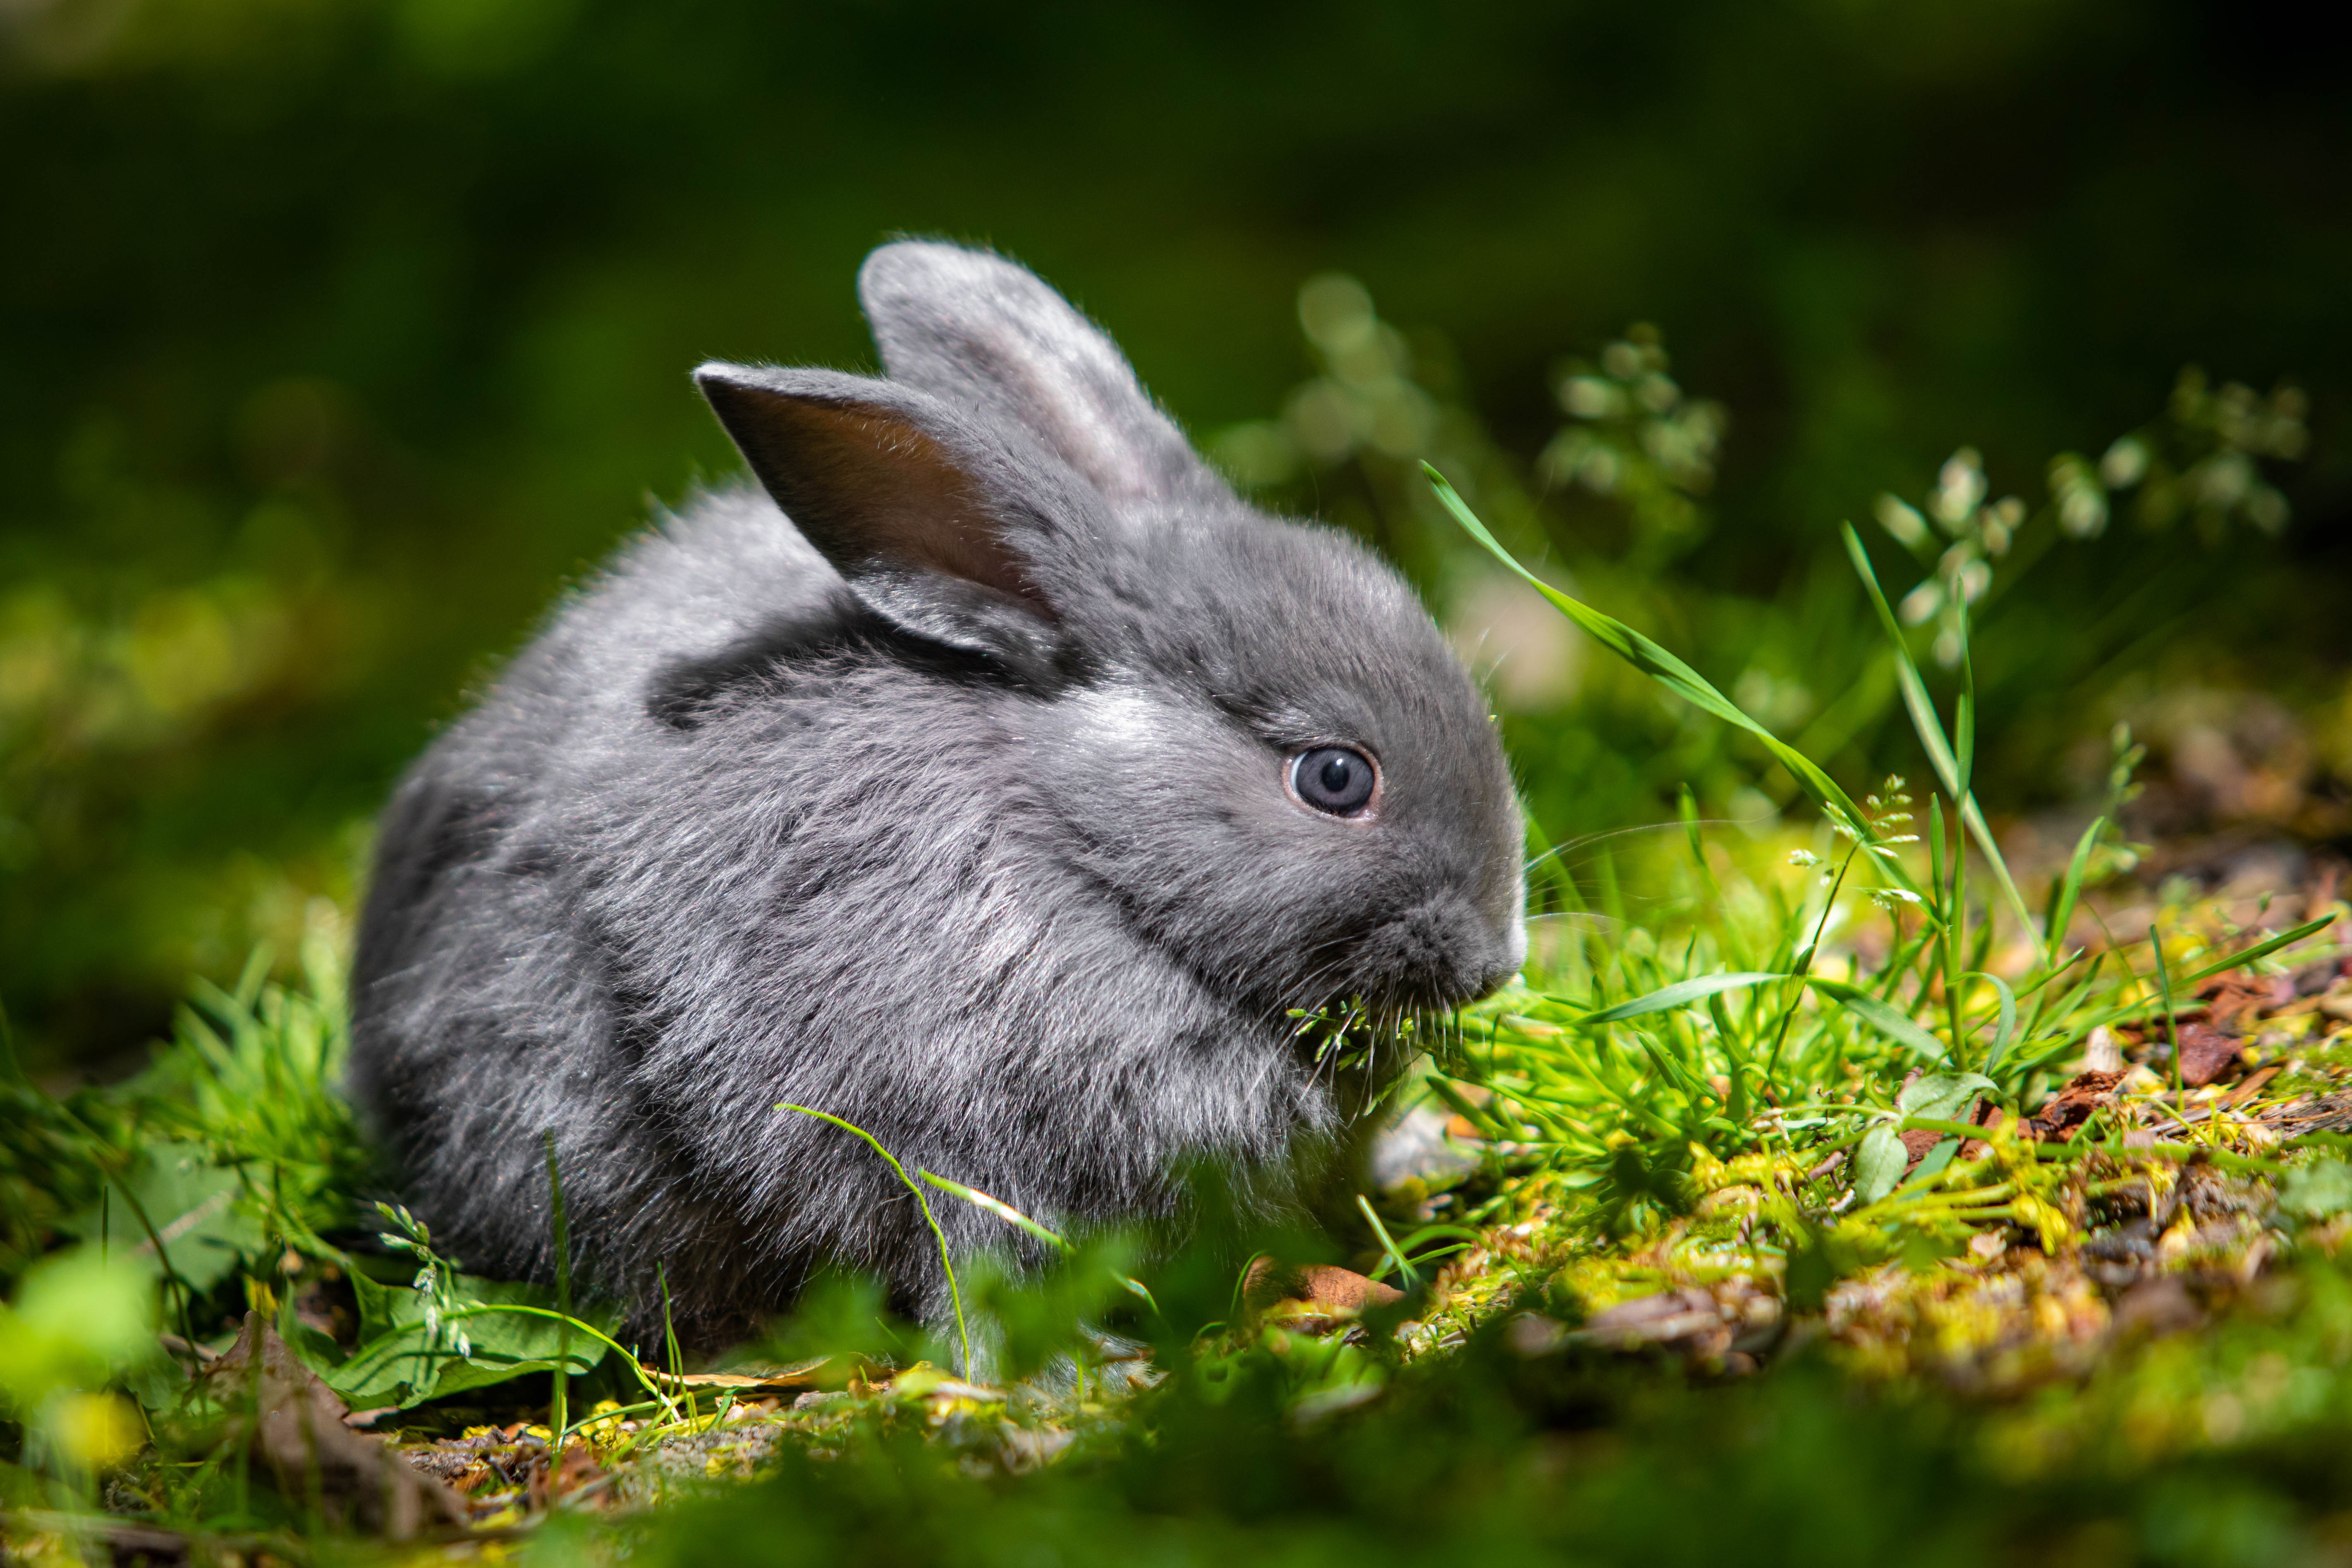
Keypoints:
pixel 336 335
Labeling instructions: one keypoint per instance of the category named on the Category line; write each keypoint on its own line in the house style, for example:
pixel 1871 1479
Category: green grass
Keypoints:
pixel 1701 1084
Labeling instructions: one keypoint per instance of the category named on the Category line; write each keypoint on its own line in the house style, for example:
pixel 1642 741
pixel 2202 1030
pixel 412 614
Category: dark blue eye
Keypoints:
pixel 1333 779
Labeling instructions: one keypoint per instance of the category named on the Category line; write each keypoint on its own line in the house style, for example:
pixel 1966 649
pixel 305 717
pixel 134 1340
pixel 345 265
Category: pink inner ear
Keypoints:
pixel 873 491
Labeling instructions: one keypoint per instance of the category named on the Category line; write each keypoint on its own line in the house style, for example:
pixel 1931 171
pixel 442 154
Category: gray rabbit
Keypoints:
pixel 997 781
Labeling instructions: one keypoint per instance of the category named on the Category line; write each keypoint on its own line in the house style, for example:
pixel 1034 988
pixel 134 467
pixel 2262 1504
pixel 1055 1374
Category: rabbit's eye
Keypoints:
pixel 1333 779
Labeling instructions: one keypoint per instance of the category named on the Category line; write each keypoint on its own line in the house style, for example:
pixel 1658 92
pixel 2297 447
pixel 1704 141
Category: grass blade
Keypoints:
pixel 1680 993
pixel 955 1296
pixel 558 1411
pixel 1011 1216
pixel 1887 1019
pixel 2260 950
pixel 2171 1019
pixel 2191 980
pixel 996 1206
pixel 1931 731
pixel 673 1360
pixel 2070 887
pixel 1394 1255
pixel 1673 675
pixel 2001 1038
pixel 1964 726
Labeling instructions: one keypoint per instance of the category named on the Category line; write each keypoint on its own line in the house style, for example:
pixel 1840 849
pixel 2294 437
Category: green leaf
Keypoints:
pixel 998 1208
pixel 2008 1017
pixel 1964 723
pixel 1673 675
pixel 2317 1190
pixel 2070 888
pixel 1943 1096
pixel 1669 1069
pixel 1884 1016
pixel 196 1210
pixel 395 1363
pixel 947 1262
pixel 1680 993
pixel 1878 1165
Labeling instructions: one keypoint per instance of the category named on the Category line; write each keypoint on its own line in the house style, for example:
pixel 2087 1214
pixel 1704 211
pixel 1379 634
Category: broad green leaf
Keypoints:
pixel 1944 1096
pixel 1878 1165
pixel 194 1207
pixel 1676 676
pixel 396 1364
pixel 1680 993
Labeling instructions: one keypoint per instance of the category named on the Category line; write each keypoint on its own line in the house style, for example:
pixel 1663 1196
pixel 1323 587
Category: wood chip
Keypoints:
pixel 2205 1052
pixel 751 1379
pixel 2252 1086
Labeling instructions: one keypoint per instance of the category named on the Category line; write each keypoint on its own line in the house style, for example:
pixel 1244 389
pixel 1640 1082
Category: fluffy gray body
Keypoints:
pixel 955 805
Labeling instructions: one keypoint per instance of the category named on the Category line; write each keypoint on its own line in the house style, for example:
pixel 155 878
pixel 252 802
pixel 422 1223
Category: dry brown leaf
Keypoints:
pixel 291 1424
pixel 2244 996
pixel 2205 1052
pixel 2072 1105
pixel 1311 1298
pixel 750 1380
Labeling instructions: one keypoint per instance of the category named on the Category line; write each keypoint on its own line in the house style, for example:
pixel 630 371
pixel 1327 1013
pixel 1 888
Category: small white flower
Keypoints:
pixel 1903 521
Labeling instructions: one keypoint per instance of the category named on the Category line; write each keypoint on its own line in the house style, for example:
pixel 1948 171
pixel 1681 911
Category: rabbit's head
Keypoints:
pixel 1244 734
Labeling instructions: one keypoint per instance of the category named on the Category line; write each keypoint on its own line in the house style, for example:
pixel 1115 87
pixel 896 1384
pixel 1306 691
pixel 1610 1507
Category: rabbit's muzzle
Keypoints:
pixel 1440 954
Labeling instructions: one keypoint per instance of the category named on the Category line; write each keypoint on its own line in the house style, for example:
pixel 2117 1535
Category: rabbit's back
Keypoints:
pixel 490 1006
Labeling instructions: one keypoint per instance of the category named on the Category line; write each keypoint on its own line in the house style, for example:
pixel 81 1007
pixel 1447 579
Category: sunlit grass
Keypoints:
pixel 1765 1019
pixel 1703 1078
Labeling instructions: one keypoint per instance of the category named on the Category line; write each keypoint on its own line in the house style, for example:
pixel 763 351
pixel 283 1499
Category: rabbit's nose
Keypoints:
pixel 1441 953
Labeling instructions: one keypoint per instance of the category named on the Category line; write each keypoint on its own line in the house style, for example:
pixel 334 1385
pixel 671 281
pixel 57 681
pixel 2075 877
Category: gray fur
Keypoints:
pixel 957 812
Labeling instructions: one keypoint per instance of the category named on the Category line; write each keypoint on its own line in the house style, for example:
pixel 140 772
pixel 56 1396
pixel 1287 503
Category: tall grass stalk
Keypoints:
pixel 2171 1015
pixel 557 1419
pixel 947 1262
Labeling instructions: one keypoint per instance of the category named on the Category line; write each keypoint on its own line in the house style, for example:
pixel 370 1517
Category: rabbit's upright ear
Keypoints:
pixel 923 516
pixel 973 327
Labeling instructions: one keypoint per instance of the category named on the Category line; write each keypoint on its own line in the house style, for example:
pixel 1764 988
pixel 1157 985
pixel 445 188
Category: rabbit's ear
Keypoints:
pixel 973 327
pixel 906 500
